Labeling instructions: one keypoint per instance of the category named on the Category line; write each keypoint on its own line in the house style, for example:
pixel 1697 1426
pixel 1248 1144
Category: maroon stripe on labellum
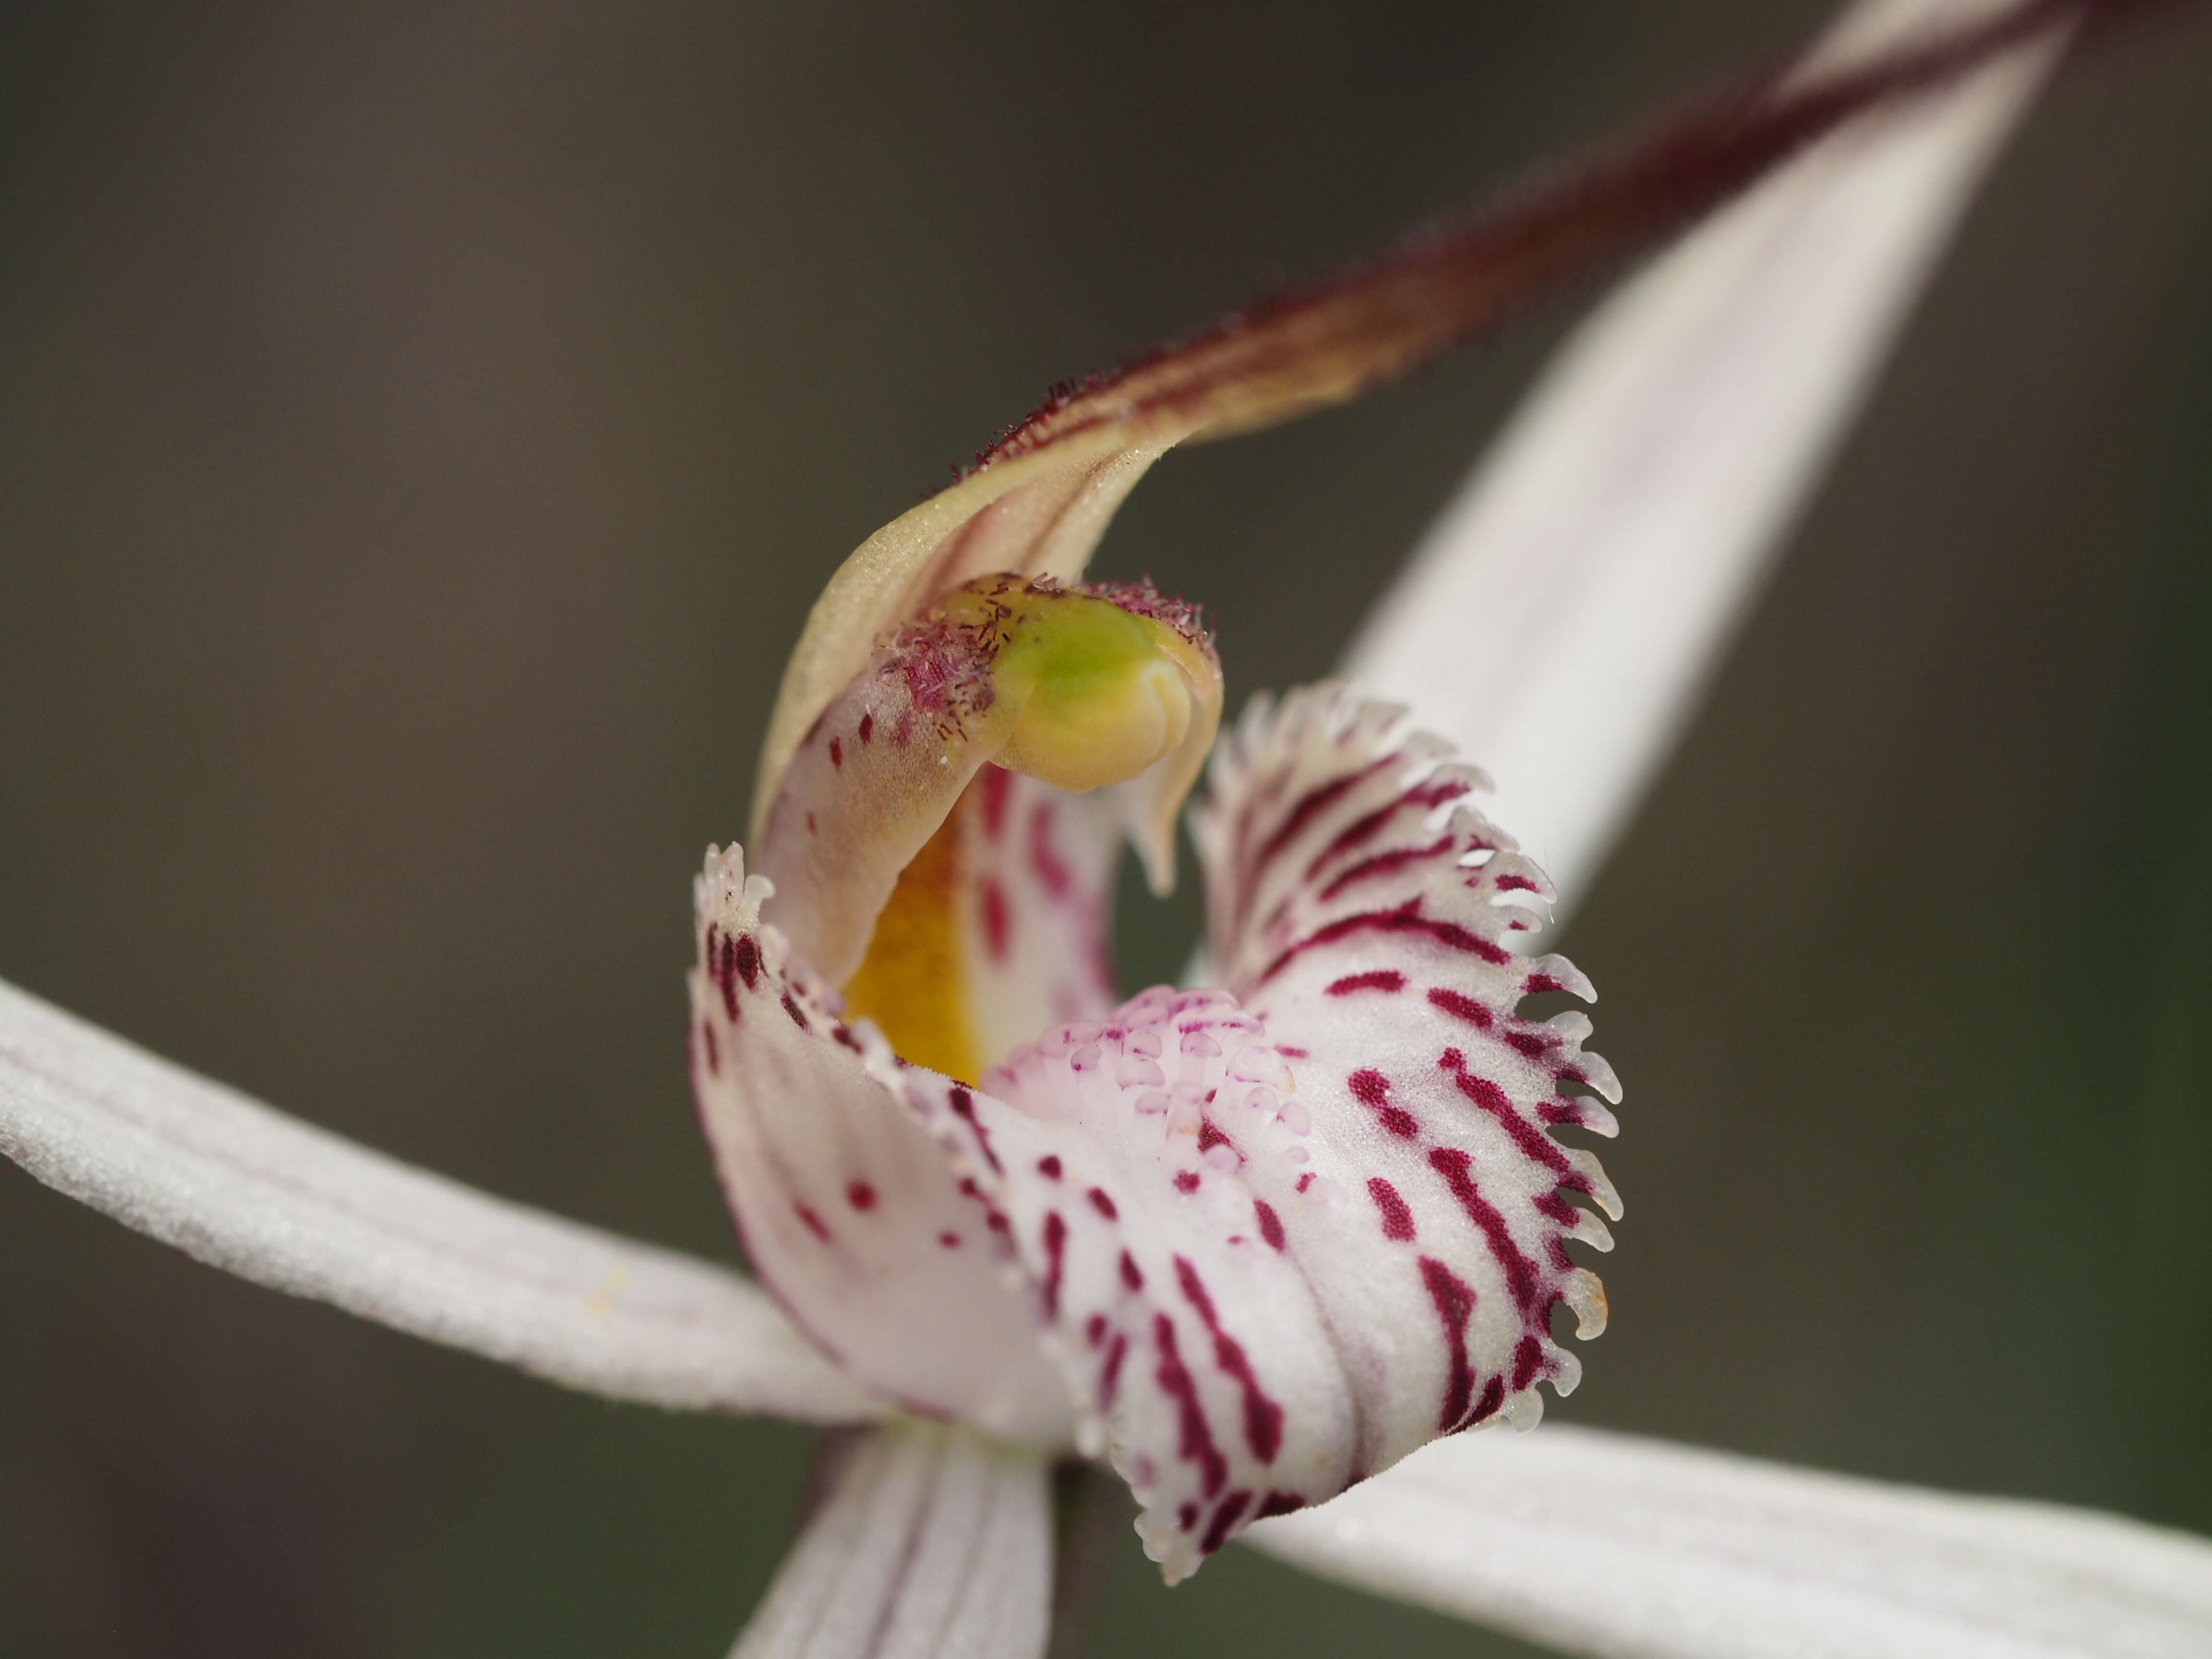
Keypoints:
pixel 746 954
pixel 1397 1220
pixel 1527 1359
pixel 1186 1516
pixel 1263 1418
pixel 1372 1089
pixel 1493 1396
pixel 1453 1297
pixel 1132 1275
pixel 836 754
pixel 964 1108
pixel 867 732
pixel 1533 1142
pixel 1103 1203
pixel 1362 831
pixel 1452 1165
pixel 998 920
pixel 1226 1514
pixel 1309 806
pixel 860 1194
pixel 1384 864
pixel 1513 883
pixel 1279 1502
pixel 1271 1224
pixel 1379 979
pixel 843 1035
pixel 1055 1260
pixel 1055 877
pixel 1537 983
pixel 713 1050
pixel 1401 919
pixel 1195 1440
pixel 1460 1006
pixel 814 1224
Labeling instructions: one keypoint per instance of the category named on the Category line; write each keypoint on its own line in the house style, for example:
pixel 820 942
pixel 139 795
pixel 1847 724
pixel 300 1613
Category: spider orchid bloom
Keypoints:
pixel 1258 1243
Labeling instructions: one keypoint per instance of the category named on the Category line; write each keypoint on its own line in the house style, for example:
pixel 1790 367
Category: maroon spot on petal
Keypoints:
pixel 1385 864
pixel 1397 1220
pixel 1305 1181
pixel 1510 883
pixel 964 1108
pixel 1451 1060
pixel 998 920
pixel 1186 1181
pixel 1226 1514
pixel 1271 1224
pixel 1534 1143
pixel 1460 1005
pixel 1110 1374
pixel 814 1224
pixel 1132 1275
pixel 1195 1437
pixel 746 954
pixel 1187 1518
pixel 1055 877
pixel 1048 1166
pixel 1540 982
pixel 845 1038
pixel 1210 1136
pixel 1279 1502
pixel 1453 1297
pixel 791 1007
pixel 949 1240
pixel 1453 1164
pixel 867 732
pixel 1289 1053
pixel 836 754
pixel 1379 979
pixel 1528 1356
pixel 1055 1260
pixel 1101 1203
pixel 1094 1330
pixel 1372 1089
pixel 713 1050
pixel 861 1195
pixel 996 785
pixel 1263 1418
pixel 810 824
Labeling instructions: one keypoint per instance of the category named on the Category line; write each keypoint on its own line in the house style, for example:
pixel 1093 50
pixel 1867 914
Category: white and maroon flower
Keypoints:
pixel 1257 1243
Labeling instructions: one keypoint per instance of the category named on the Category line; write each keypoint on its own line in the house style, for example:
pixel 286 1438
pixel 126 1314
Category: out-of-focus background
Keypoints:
pixel 421 430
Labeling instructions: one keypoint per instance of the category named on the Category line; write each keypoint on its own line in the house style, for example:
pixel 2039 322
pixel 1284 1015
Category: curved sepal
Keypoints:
pixel 845 1204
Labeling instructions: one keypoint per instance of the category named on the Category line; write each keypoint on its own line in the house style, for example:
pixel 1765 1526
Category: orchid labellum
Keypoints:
pixel 1260 1241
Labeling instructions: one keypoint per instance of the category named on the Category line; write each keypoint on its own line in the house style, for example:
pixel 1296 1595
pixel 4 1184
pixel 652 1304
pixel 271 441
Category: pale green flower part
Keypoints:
pixel 1560 622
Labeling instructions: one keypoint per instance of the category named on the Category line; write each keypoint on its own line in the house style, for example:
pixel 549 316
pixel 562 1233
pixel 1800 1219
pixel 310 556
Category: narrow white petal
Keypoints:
pixel 1562 618
pixel 931 1543
pixel 240 1186
pixel 1638 1549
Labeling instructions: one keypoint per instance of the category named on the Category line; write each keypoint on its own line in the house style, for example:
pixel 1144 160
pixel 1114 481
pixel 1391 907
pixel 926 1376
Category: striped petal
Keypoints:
pixel 1285 1233
pixel 1610 1544
pixel 847 1207
pixel 241 1187
pixel 930 1543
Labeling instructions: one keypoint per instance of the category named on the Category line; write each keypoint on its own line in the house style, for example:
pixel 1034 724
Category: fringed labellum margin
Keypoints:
pixel 1273 1236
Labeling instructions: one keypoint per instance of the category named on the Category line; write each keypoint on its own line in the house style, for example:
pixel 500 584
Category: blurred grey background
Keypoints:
pixel 421 430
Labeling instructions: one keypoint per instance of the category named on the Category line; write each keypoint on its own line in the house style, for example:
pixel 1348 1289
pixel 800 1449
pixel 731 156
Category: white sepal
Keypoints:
pixel 240 1186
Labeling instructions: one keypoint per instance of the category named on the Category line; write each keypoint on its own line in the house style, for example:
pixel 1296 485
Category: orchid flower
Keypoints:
pixel 1269 1244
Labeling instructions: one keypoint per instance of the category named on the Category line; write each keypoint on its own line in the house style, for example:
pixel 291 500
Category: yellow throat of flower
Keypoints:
pixel 1090 692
